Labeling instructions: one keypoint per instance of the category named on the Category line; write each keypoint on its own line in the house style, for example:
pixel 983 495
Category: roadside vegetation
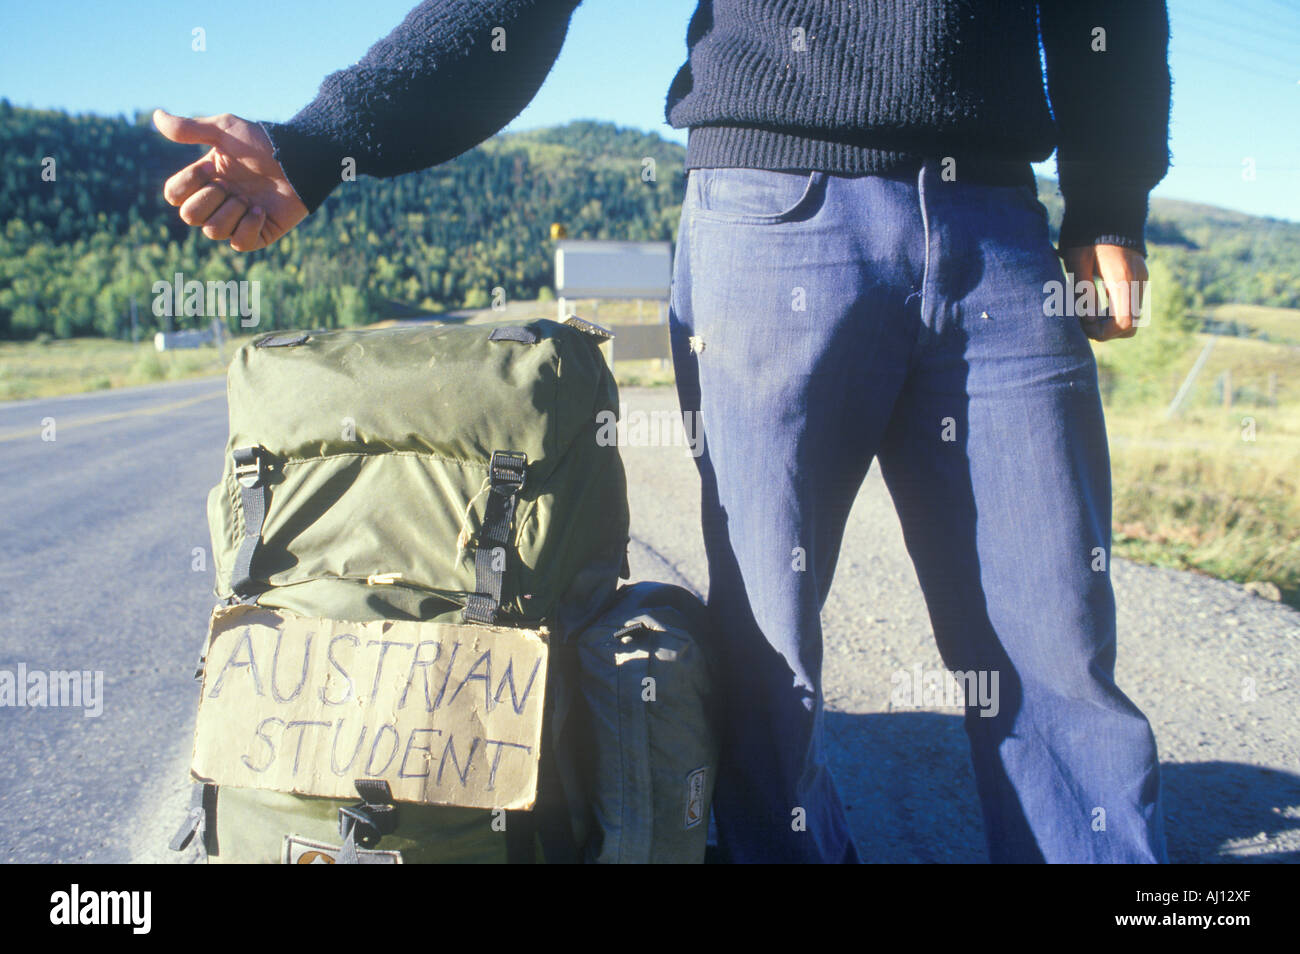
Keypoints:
pixel 1214 487
pixel 50 366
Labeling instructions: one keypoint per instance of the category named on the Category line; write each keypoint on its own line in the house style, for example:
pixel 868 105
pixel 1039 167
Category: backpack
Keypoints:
pixel 649 755
pixel 444 476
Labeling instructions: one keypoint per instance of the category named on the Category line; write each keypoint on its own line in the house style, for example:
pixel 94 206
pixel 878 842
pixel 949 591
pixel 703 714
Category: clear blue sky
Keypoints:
pixel 1236 68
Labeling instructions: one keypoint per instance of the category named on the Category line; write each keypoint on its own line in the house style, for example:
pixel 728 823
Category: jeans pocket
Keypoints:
pixel 756 196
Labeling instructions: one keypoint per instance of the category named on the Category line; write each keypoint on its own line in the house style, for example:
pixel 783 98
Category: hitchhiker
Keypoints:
pixel 860 275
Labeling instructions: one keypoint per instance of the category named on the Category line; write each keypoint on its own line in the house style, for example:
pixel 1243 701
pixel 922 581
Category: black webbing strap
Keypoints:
pixel 366 823
pixel 200 820
pixel 505 480
pixel 519 333
pixel 250 472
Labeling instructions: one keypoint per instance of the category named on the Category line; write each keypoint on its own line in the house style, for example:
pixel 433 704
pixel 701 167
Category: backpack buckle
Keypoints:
pixel 373 817
pixel 506 470
pixel 248 465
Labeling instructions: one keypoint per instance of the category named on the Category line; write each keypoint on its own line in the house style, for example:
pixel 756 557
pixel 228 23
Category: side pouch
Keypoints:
pixel 645 685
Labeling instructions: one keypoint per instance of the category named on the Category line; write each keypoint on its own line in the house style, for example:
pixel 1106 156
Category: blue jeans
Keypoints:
pixel 819 322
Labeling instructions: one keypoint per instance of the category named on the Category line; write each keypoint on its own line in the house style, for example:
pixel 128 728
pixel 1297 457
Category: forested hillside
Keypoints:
pixel 73 251
pixel 84 229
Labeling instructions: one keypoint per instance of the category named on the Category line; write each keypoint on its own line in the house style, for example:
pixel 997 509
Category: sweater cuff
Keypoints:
pixel 1104 216
pixel 308 162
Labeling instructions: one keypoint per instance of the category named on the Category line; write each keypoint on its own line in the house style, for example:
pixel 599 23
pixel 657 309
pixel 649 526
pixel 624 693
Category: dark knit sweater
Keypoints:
pixel 873 86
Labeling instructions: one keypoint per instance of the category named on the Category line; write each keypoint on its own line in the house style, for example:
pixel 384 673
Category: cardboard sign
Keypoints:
pixel 446 713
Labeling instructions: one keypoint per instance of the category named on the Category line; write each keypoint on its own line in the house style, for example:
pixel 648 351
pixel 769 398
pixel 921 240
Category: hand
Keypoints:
pixel 1123 272
pixel 237 191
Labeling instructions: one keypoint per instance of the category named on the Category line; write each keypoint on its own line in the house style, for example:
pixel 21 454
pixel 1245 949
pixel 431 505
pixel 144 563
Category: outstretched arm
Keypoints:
pixel 451 75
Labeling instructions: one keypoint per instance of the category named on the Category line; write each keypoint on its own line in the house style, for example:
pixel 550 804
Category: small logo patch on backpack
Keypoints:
pixel 695 797
pixel 301 851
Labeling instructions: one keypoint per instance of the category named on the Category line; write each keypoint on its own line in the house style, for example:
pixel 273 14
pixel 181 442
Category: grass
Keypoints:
pixel 1216 488
pixel 32 369
pixel 1230 512
pixel 1279 324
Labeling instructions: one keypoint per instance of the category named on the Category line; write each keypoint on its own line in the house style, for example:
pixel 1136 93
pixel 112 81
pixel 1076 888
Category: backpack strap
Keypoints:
pixel 505 480
pixel 200 821
pixel 251 473
pixel 282 341
pixel 365 823
pixel 522 334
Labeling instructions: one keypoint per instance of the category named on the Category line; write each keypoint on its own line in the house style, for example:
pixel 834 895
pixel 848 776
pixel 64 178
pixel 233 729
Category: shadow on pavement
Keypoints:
pixel 906 780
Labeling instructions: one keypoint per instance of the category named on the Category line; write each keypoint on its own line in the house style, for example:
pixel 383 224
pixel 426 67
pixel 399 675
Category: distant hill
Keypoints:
pixel 1221 256
pixel 75 251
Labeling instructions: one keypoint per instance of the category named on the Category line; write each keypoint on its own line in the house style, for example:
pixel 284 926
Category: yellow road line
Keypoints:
pixel 117 415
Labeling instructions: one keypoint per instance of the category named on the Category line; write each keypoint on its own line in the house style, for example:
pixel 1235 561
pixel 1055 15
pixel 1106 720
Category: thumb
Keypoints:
pixel 180 129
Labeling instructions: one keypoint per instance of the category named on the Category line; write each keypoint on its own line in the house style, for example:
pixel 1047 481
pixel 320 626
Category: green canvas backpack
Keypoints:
pixel 431 473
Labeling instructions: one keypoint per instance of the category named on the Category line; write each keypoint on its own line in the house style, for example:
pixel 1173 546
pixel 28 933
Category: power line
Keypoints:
pixel 1262 68
pixel 1259 31
pixel 1228 39
pixel 1256 57
pixel 1286 8
pixel 1252 70
pixel 1270 22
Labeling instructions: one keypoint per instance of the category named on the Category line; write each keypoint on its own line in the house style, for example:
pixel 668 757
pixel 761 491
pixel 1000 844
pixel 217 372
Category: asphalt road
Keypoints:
pixel 104 566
